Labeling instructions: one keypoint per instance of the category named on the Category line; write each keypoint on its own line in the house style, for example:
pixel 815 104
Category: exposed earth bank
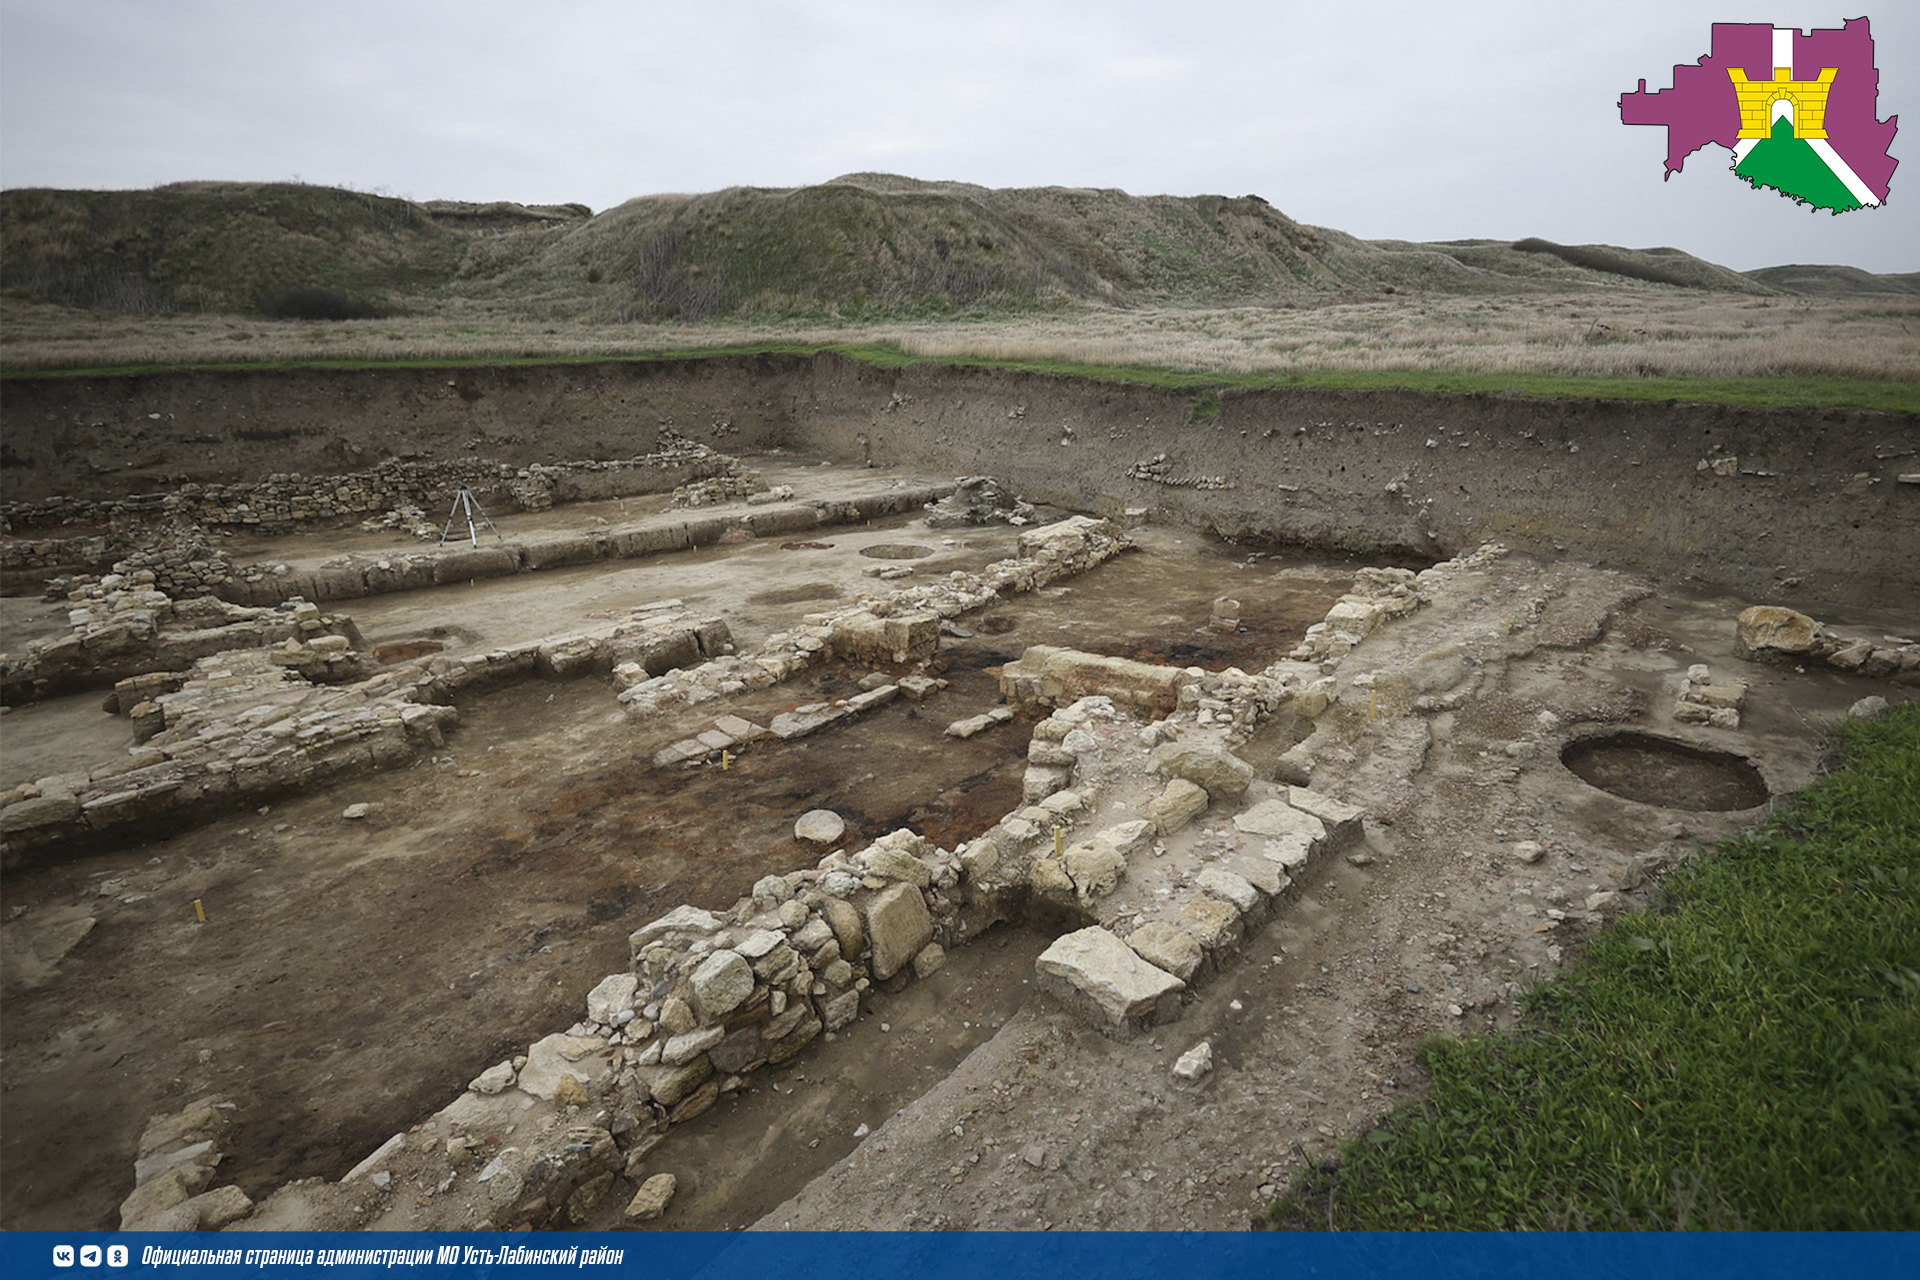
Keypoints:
pixel 1808 505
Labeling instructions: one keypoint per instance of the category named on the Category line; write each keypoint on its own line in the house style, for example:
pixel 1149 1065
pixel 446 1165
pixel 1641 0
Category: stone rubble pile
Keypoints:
pixel 1703 700
pixel 1769 633
pixel 1378 595
pixel 1159 470
pixel 126 626
pixel 726 487
pixel 173 1167
pixel 407 518
pixel 242 725
pixel 900 627
pixel 978 500
pixel 285 502
pixel 46 554
pixel 1171 902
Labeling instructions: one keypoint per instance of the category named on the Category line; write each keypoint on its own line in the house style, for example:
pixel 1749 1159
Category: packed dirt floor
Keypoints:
pixel 352 975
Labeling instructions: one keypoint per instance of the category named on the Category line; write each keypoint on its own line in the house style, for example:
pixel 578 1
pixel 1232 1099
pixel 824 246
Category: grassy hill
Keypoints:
pixel 1837 282
pixel 218 246
pixel 861 247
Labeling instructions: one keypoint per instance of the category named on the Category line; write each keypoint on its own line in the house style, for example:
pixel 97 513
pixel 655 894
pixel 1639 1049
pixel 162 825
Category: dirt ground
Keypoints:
pixel 352 975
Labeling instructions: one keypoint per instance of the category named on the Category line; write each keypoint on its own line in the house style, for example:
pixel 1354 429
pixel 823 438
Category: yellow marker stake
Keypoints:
pixel 1373 703
pixel 726 761
pixel 199 912
pixel 1056 841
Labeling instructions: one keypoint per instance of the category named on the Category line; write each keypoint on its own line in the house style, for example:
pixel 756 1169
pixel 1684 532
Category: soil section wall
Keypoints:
pixel 1785 505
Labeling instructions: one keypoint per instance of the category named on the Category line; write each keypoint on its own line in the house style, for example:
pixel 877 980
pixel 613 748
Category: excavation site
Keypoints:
pixel 783 792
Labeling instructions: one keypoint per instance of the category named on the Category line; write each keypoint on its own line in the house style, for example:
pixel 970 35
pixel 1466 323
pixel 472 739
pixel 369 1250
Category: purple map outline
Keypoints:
pixel 1700 107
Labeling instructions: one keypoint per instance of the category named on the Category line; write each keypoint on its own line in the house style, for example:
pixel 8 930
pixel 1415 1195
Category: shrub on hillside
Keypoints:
pixel 315 302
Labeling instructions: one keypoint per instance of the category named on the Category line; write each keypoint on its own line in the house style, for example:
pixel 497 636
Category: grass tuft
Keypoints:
pixel 1746 1056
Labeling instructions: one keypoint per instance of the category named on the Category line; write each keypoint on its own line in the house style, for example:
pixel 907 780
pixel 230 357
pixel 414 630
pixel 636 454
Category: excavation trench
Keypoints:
pixel 352 975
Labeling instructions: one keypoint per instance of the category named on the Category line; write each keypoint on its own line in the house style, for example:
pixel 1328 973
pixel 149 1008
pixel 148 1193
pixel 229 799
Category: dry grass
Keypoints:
pixel 1650 332
pixel 1656 334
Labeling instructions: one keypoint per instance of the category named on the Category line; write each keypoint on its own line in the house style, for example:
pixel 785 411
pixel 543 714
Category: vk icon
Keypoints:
pixel 116 1255
pixel 63 1255
pixel 89 1255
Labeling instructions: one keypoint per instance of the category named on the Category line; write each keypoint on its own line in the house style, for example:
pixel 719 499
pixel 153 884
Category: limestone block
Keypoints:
pixel 585 1059
pixel 1179 803
pixel 720 984
pixel 841 1009
pixel 683 1049
pixel 1769 632
pixel 1166 947
pixel 40 811
pixel 1048 878
pixel 778 1028
pixel 670 1086
pixel 1195 1062
pixel 919 688
pixel 1278 819
pixel 819 826
pixel 802 721
pixel 496 1079
pixel 651 1200
pixel 1040 751
pixel 677 1016
pixel 218 1209
pixel 202 1119
pixel 932 959
pixel 1095 867
pixel 809 933
pixel 1062 803
pixel 152 1199
pixel 1355 617
pixel 612 997
pixel 1312 702
pixel 1096 973
pixel 1263 874
pixel 778 965
pixel 848 930
pixel 789 1046
pixel 972 725
pixel 1129 837
pixel 1224 775
pixel 1042 780
pixel 1726 695
pixel 899 926
pixel 890 863
pixel 1213 923
pixel 759 943
pixel 679 920
pixel 1228 887
pixel 1050 676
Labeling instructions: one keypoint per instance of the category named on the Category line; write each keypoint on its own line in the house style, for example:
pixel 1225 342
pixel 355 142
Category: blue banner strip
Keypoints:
pixel 962 1256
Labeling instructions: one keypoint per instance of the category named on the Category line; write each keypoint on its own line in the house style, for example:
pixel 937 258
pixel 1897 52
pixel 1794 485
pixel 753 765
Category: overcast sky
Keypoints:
pixel 1400 119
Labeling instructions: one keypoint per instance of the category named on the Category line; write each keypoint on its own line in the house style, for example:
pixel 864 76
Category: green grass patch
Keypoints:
pixel 1749 392
pixel 1745 1056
